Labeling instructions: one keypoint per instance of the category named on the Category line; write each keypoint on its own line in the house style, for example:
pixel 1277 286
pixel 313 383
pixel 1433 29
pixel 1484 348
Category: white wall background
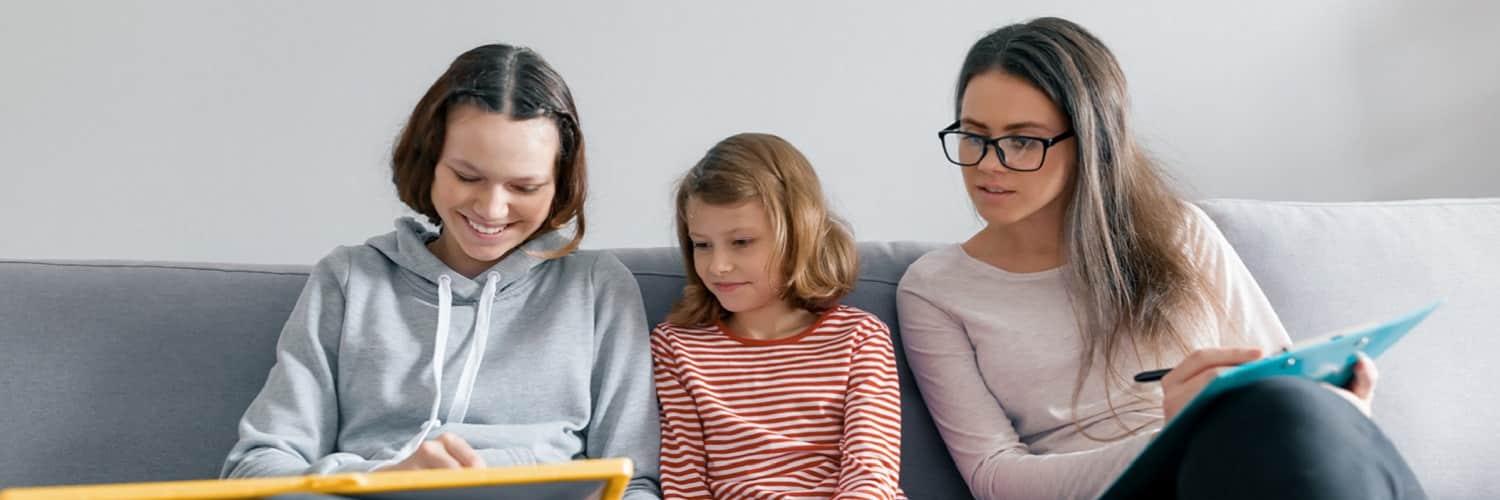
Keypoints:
pixel 257 131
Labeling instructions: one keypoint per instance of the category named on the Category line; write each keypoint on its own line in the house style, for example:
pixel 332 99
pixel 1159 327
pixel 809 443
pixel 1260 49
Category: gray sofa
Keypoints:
pixel 134 371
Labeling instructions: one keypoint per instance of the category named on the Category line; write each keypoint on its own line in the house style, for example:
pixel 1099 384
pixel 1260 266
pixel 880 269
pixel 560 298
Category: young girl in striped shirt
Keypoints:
pixel 770 388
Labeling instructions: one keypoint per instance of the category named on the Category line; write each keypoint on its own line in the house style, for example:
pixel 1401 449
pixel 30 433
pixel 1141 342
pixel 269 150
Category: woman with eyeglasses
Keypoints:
pixel 1091 268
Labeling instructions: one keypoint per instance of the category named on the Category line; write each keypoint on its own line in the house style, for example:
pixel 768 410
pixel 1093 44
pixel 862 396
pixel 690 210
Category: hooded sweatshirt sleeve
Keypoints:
pixel 291 426
pixel 624 421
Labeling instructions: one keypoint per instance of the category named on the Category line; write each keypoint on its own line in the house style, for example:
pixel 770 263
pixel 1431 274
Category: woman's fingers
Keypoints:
pixel 461 451
pixel 1204 359
pixel 1177 395
pixel 1365 377
pixel 434 454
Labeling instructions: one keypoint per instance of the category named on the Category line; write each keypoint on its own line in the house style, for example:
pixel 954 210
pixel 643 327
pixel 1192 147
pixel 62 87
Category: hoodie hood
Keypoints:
pixel 407 248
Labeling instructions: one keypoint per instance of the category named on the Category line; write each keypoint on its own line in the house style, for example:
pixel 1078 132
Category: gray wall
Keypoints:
pixel 258 131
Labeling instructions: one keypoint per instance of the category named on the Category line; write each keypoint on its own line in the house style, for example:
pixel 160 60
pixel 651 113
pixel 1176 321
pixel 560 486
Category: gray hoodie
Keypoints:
pixel 561 371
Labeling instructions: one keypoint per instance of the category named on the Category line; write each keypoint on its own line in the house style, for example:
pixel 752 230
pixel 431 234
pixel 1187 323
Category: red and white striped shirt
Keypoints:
pixel 815 415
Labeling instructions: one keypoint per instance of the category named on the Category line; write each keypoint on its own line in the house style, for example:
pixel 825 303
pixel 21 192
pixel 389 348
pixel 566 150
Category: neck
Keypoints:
pixel 451 255
pixel 774 321
pixel 1029 245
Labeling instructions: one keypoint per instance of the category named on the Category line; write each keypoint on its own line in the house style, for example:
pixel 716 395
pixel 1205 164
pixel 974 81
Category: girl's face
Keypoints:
pixel 493 186
pixel 997 104
pixel 733 253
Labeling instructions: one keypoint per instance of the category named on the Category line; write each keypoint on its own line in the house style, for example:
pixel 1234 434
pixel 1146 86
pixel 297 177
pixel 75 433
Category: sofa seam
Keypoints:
pixel 153 266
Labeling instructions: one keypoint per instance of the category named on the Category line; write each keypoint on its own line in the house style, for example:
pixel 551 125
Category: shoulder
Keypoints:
pixel 863 326
pixel 599 268
pixel 672 330
pixel 1199 230
pixel 851 315
pixel 667 338
pixel 1201 239
pixel 932 266
pixel 603 265
pixel 337 265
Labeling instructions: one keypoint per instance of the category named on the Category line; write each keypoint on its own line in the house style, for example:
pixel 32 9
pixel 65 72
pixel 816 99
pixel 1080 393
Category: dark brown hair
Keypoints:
pixel 816 249
pixel 515 82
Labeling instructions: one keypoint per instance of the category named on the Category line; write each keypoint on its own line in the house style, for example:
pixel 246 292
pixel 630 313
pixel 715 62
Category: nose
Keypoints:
pixel 493 203
pixel 719 262
pixel 990 163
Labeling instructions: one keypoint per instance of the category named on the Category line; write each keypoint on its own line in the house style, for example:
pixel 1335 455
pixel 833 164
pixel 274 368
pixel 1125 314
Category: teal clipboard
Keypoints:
pixel 1329 358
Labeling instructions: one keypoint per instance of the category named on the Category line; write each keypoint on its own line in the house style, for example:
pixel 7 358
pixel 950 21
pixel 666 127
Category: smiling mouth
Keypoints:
pixel 485 230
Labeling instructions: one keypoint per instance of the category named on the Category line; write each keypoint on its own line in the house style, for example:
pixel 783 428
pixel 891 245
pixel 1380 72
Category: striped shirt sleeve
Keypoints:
pixel 870 446
pixel 684 467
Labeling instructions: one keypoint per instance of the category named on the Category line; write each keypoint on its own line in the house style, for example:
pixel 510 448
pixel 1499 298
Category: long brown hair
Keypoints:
pixel 816 249
pixel 1130 276
pixel 497 78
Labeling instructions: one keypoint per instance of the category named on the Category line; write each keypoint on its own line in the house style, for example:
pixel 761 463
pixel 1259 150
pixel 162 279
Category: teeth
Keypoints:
pixel 484 229
pixel 988 190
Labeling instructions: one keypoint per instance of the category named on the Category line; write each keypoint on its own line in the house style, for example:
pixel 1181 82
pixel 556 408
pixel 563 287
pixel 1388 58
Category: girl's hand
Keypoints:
pixel 447 451
pixel 1195 372
pixel 1361 390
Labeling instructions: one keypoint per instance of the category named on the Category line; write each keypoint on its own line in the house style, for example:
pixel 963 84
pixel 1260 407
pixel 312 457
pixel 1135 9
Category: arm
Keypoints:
pixel 979 435
pixel 870 449
pixel 624 421
pixel 684 462
pixel 291 426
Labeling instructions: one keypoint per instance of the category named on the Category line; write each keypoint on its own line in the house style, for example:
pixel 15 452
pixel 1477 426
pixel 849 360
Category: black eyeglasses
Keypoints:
pixel 1021 153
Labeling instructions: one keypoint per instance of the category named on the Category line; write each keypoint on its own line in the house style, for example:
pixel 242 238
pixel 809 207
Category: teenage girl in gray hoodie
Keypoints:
pixel 492 341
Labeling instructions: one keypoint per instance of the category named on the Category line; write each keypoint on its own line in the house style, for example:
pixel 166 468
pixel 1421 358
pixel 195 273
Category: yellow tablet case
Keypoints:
pixel 611 474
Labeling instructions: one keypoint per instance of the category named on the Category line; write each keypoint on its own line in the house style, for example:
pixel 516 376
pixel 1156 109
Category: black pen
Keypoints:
pixel 1155 375
pixel 1152 375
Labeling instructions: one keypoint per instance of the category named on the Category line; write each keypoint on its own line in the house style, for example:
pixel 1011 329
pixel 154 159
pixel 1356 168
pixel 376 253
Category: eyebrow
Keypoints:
pixel 730 231
pixel 460 162
pixel 532 179
pixel 1008 128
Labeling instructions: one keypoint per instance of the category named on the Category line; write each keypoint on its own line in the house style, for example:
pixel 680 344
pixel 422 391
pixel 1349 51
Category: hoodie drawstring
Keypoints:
pixel 460 407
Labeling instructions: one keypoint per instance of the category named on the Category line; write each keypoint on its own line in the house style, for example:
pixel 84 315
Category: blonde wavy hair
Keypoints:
pixel 816 249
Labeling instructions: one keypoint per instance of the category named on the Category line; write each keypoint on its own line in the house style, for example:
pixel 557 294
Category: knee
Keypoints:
pixel 1288 437
pixel 1281 400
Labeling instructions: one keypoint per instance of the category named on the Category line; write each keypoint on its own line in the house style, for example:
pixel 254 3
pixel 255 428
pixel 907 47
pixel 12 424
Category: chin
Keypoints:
pixel 731 306
pixel 492 251
pixel 1009 213
pixel 486 255
pixel 1003 217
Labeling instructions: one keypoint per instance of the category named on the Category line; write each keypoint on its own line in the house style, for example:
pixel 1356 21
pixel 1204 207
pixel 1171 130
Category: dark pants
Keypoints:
pixel 1283 438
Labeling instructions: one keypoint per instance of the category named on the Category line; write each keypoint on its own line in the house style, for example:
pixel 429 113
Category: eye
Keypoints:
pixel 974 140
pixel 743 242
pixel 1020 143
pixel 700 245
pixel 465 179
pixel 528 189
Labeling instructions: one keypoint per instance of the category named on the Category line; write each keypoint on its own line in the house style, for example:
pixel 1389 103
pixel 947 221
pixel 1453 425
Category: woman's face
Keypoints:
pixel 997 104
pixel 493 186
